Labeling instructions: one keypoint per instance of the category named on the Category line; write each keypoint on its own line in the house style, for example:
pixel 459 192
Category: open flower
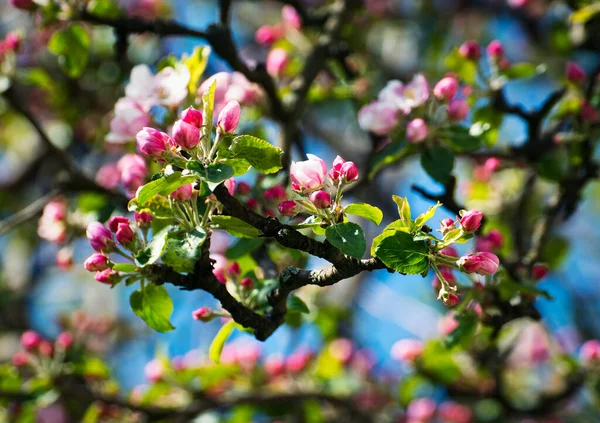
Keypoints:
pixel 406 97
pixel 130 117
pixel 378 117
pixel 309 174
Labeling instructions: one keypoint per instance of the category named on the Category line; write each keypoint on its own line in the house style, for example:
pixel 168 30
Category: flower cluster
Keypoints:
pixel 131 171
pixel 316 186
pixel 120 235
pixel 412 104
pixel 231 87
pixel 167 88
pixel 37 351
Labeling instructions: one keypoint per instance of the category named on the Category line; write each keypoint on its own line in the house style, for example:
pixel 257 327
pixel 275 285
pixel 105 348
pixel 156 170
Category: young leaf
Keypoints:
pixel 438 163
pixel 208 106
pixel 196 63
pixel 459 138
pixel 427 215
pixel 523 70
pixel 183 249
pixel 154 249
pixel 367 211
pixel 348 237
pixel 154 306
pixel 296 304
pixel 213 174
pixel 389 230
pixel 403 210
pixel 263 157
pixel 401 253
pixel 163 186
pixel 124 267
pixel 235 226
pixel 72 46
pixel 216 347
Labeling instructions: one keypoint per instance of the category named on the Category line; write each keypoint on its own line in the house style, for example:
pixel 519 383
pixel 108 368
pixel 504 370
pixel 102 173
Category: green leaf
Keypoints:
pixel 196 64
pixel 389 230
pixel 390 154
pixel 208 107
pixel 412 387
pixel 163 186
pixel 72 46
pixel 463 333
pixel 553 165
pixel 154 249
pixel 486 125
pixel 235 226
pixel 423 218
pixel 183 249
pixel 459 138
pixel 154 306
pixel 213 174
pixel 403 210
pixel 243 246
pixel 438 163
pixel 465 69
pixel 586 13
pixel 124 267
pixel 437 361
pixel 158 206
pixel 263 157
pixel 216 347
pixel 296 304
pixel 348 237
pixel 523 70
pixel 104 8
pixel 240 166
pixel 401 253
pixel 367 211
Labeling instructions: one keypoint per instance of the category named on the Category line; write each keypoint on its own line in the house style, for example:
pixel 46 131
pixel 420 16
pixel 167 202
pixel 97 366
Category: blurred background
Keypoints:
pixel 374 309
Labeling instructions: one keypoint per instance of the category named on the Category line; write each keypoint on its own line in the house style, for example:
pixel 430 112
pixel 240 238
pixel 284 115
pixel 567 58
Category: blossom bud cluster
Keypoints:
pixel 398 103
pixel 131 170
pixel 35 347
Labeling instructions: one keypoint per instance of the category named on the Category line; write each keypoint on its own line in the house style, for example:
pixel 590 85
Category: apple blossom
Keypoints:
pixel 343 171
pixel 113 222
pixel 276 193
pixel 130 117
pixel 483 263
pixel 291 17
pixel 453 412
pixel 154 370
pixel 230 185
pixel 192 116
pixel 247 283
pixel 274 365
pixel 124 234
pixel 21 359
pixel 105 276
pixel 590 351
pixel 420 410
pixel 470 50
pixel 309 174
pixel 153 142
pixel 471 220
pixel 298 360
pixel 170 85
pixel 234 269
pixel 446 225
pixel 108 176
pixel 185 135
pixel 96 262
pixel 64 340
pixel 378 117
pixel 406 97
pixel 320 199
pixel 99 236
pixel 268 34
pixel 458 109
pixel 495 49
pixel 288 208
pixel 30 339
pixel 446 88
pixel 277 60
pixel 539 271
pixel 416 131
pixel 229 117
pixel 142 218
pixel 243 188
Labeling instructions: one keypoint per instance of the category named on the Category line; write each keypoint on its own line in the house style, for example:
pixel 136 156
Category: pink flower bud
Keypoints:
pixel 343 170
pixel 153 142
pixel 12 40
pixel 23 4
pixel 453 412
pixel 288 208
pixel 124 234
pixel 192 116
pixel 133 170
pixel 420 410
pixel 492 164
pixel 574 72
pixel 275 193
pixel 204 314
pixel 291 17
pixel 450 251
pixel 183 193
pixel 481 263
pixel 55 210
pixel 20 359
pixel 234 269
pixel 96 262
pixel 297 361
pixel 539 271
pixel 30 340
pixel 252 203
pixel 230 185
pixel 113 222
pixel 229 117
pixel 458 109
pixel 154 370
pixel 105 276
pixel 515 4
pixel 452 300
pixel 277 59
pixel 309 174
pixel 495 49
pixel 142 218
pixel 64 258
pixel 446 88
pixel 588 113
pixel 446 225
pixel 470 50
pixel 185 135
pixel 416 131
pixel 407 350
pixel 470 220
pixel 108 176
pixel 99 236
pixel 268 34
pixel 274 365
pixel 45 348
pixel 64 340
pixel 378 117
pixel 247 283
pixel 321 199
pixel 495 238
pixel 243 188
pixel 590 351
